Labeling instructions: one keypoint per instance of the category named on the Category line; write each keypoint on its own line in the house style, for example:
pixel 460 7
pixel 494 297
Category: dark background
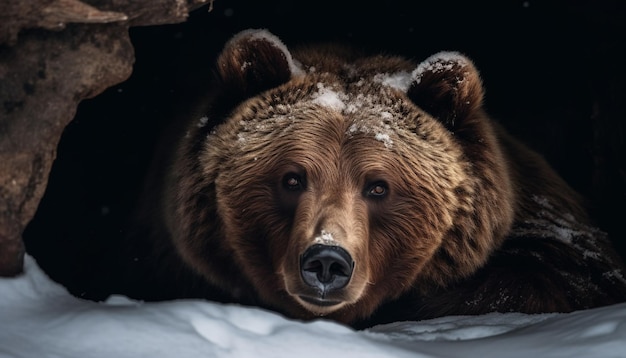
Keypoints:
pixel 553 71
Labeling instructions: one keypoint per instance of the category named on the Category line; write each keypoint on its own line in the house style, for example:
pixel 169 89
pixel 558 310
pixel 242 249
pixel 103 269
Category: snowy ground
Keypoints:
pixel 38 318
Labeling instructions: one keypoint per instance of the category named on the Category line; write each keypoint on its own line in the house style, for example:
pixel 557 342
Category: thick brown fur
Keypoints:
pixel 470 220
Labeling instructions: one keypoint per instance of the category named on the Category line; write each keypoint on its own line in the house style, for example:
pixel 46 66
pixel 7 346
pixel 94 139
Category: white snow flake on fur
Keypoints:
pixel 367 112
pixel 329 98
pixel 386 115
pixel 615 275
pixel 245 65
pixel 399 80
pixel 548 225
pixel 384 137
pixel 439 62
pixel 563 227
pixel 382 131
pixel 325 238
pixel 203 121
pixel 371 118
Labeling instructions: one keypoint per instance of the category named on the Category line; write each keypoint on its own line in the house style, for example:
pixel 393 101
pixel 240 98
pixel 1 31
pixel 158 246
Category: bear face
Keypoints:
pixel 323 183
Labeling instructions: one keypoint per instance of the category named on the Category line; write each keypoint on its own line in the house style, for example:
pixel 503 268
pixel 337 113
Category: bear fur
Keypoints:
pixel 420 204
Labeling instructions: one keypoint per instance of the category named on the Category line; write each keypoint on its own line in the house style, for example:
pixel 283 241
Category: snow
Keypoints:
pixel 203 121
pixel 368 113
pixel 439 62
pixel 400 80
pixel 38 318
pixel 328 98
pixel 326 238
pixel 385 138
pixel 375 118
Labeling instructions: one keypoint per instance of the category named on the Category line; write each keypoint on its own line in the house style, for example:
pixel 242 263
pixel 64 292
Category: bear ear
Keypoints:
pixel 448 87
pixel 254 61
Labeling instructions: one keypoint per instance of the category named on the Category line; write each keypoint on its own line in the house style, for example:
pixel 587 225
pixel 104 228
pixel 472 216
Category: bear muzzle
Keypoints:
pixel 326 269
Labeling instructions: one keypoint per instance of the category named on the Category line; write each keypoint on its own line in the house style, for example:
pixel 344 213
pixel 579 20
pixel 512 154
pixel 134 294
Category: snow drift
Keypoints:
pixel 39 318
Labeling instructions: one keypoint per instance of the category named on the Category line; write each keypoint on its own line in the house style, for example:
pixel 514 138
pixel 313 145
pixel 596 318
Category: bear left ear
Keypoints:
pixel 254 61
pixel 448 87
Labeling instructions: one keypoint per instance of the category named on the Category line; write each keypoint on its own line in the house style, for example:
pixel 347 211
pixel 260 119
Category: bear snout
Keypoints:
pixel 326 268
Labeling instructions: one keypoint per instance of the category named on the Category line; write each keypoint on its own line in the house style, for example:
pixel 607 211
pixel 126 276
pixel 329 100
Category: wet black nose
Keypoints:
pixel 326 267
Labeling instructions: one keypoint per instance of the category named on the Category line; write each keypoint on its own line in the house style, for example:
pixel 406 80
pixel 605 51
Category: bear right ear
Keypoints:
pixel 254 61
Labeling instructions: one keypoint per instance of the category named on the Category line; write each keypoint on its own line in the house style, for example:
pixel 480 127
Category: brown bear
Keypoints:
pixel 322 182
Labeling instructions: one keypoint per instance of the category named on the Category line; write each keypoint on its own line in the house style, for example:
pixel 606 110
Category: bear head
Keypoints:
pixel 327 183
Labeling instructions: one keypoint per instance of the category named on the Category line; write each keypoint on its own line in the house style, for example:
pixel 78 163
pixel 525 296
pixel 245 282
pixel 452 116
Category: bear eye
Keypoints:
pixel 293 182
pixel 377 190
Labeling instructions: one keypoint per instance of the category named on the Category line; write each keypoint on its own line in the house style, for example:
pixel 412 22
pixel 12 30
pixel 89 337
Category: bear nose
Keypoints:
pixel 326 267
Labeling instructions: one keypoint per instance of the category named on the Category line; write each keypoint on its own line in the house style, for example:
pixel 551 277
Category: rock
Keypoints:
pixel 53 54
